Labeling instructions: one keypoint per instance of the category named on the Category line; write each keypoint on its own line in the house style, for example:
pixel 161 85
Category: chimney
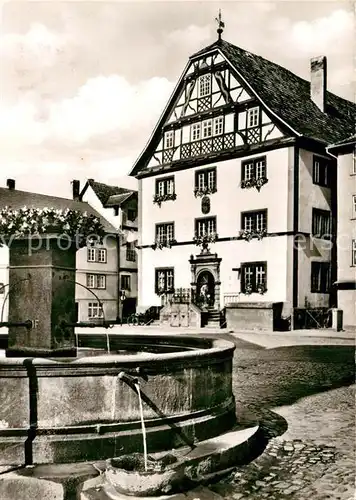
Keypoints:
pixel 318 82
pixel 10 183
pixel 76 190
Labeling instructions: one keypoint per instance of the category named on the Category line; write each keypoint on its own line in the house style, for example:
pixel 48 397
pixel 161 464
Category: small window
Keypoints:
pixel 354 206
pixel 125 282
pixel 320 277
pixel 205 179
pixel 96 254
pixel 205 226
pixel 165 232
pixel 96 281
pixel 95 310
pixel 253 117
pixel 164 280
pixel 204 85
pixel 130 252
pixel 321 224
pixel 353 253
pixel 253 276
pixel 169 139
pixel 2 288
pixel 218 125
pixel 354 162
pixel 254 221
pixel 207 128
pixel 256 168
pixel 321 171
pixel 195 131
pixel 131 214
pixel 101 255
pixel 165 186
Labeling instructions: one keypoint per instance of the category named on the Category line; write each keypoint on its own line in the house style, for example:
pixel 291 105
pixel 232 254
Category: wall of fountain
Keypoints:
pixel 67 410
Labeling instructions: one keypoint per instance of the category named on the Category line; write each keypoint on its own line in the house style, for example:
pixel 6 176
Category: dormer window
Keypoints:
pixel 204 85
pixel 253 117
pixel 195 132
pixel 207 128
pixel 169 139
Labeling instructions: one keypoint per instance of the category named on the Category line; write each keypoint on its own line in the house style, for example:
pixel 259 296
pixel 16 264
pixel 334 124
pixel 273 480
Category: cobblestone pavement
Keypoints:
pixel 306 400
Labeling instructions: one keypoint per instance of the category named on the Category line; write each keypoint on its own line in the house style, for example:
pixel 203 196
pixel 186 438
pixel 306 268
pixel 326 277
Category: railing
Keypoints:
pixel 177 296
pixel 231 298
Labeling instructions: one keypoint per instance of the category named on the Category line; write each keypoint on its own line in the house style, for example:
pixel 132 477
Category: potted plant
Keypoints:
pixel 160 198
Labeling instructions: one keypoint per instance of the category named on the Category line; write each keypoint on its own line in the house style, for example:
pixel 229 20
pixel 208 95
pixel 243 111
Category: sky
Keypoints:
pixel 83 84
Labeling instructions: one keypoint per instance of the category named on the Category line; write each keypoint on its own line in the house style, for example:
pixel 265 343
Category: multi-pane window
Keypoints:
pixel 131 214
pixel 169 139
pixel 164 280
pixel 165 186
pixel 207 128
pixel 321 172
pixel 196 131
pixel 253 117
pixel 165 232
pixel 354 206
pixel 253 276
pixel 255 168
pixel 96 281
pixel 206 179
pixel 321 224
pixel 353 172
pixel 96 254
pixel 204 85
pixel 320 277
pixel 125 282
pixel 2 288
pixel 130 252
pixel 94 310
pixel 205 226
pixel 254 221
pixel 353 253
pixel 218 125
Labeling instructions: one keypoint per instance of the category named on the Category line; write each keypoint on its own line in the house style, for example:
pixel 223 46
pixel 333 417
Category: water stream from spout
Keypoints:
pixel 107 342
pixel 137 385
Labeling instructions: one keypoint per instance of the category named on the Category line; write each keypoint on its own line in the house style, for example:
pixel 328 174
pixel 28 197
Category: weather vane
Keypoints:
pixel 221 24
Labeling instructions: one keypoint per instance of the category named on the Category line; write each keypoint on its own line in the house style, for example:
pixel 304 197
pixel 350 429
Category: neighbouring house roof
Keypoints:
pixel 285 94
pixel 15 199
pixel 344 142
pixel 109 196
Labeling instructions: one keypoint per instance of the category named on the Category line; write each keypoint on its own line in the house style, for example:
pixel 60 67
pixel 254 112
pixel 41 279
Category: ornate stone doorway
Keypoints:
pixel 206 288
pixel 205 269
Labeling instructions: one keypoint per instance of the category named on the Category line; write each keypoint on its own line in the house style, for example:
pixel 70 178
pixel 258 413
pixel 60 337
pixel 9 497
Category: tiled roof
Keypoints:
pixel 16 199
pixel 118 199
pixel 288 96
pixel 347 140
pixel 104 191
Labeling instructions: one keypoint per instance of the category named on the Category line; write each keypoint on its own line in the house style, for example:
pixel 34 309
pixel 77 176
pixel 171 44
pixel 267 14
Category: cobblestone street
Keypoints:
pixel 306 400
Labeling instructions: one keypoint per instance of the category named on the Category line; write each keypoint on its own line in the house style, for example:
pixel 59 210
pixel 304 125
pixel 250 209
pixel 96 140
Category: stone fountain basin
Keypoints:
pixel 79 410
pixel 127 475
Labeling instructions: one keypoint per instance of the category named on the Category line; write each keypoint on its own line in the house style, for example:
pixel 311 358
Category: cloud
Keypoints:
pixel 39 42
pixel 102 106
pixel 332 33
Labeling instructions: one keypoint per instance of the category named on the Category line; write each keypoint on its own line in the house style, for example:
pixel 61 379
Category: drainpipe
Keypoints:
pixel 118 247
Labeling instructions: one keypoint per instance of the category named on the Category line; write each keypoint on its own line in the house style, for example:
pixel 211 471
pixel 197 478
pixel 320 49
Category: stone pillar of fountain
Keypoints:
pixel 42 290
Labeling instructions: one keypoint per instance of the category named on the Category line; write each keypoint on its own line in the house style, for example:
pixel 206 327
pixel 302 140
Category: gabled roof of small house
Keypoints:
pixel 285 94
pixel 109 196
pixel 16 199
pixel 343 142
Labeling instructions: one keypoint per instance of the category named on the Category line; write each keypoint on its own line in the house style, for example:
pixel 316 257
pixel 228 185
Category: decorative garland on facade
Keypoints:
pixel 204 191
pixel 257 183
pixel 160 198
pixel 205 239
pixel 28 222
pixel 249 234
pixel 163 244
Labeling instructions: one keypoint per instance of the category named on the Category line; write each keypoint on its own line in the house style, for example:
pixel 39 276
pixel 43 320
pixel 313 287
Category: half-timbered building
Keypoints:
pixel 237 190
